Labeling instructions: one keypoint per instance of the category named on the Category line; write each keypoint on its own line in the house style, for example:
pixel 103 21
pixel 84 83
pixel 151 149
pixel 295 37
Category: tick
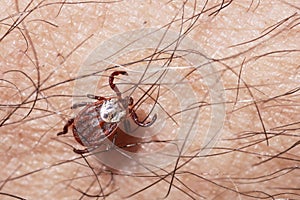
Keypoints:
pixel 100 119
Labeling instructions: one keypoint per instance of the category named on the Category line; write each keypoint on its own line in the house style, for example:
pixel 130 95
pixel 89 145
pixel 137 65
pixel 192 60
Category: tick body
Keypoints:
pixel 98 120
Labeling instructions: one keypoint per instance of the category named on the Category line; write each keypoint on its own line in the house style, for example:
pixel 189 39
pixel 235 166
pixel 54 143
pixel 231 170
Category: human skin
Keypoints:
pixel 253 45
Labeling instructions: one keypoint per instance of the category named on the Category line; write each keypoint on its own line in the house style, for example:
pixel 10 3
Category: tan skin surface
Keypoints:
pixel 254 46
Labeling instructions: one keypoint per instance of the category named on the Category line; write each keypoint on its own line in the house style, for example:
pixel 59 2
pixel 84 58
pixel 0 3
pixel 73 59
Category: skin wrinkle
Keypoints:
pixel 38 164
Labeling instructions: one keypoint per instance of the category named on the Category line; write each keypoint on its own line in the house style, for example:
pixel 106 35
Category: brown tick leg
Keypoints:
pixel 86 150
pixel 135 117
pixel 130 103
pixel 80 151
pixel 91 96
pixel 140 123
pixel 65 129
pixel 111 81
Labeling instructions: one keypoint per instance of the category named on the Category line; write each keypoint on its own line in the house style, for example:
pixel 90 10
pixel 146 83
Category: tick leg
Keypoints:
pixel 86 150
pixel 81 151
pixel 91 96
pixel 65 129
pixel 135 117
pixel 140 123
pixel 111 81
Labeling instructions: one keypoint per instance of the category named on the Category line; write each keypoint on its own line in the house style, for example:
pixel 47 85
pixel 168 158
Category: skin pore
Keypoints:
pixel 254 46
